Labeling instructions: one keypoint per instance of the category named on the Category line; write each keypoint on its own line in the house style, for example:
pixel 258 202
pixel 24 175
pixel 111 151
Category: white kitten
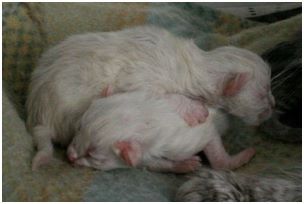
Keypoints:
pixel 80 69
pixel 139 130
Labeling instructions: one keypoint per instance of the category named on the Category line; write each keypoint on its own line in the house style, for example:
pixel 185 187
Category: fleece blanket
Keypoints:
pixel 30 28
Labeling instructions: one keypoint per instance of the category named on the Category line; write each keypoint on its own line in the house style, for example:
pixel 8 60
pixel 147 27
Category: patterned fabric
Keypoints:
pixel 30 28
pixel 22 46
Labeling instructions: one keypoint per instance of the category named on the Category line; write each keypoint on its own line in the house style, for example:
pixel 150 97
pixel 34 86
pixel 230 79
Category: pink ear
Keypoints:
pixel 107 91
pixel 128 151
pixel 234 85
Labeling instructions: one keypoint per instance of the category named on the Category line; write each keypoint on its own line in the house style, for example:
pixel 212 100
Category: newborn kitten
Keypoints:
pixel 78 70
pixel 139 130
pixel 225 186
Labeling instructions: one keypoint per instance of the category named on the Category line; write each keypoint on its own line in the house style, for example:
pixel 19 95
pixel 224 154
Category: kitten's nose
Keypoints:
pixel 72 155
pixel 265 114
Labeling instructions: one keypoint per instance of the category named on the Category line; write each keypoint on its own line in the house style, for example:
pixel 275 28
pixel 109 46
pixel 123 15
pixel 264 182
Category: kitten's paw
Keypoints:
pixel 187 165
pixel 42 158
pixel 244 156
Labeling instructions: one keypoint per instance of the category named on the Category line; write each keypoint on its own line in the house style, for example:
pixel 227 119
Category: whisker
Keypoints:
pixel 283 80
pixel 293 65
pixel 280 73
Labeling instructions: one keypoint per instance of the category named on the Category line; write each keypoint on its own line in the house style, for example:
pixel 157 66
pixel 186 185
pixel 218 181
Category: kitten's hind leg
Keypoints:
pixel 220 159
pixel 43 140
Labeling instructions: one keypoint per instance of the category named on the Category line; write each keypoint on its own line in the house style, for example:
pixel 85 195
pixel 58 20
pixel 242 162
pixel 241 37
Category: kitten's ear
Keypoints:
pixel 235 83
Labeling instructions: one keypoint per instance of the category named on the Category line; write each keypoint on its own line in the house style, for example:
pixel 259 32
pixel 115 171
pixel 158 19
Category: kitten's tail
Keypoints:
pixel 214 186
pixel 43 140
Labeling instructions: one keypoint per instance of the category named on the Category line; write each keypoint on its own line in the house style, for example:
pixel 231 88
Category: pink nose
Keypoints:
pixel 72 155
pixel 265 114
pixel 71 158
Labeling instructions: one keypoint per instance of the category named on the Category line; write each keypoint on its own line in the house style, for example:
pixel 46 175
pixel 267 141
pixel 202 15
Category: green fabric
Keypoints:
pixel 22 45
pixel 53 183
pixel 64 19
pixel 30 28
pixel 261 38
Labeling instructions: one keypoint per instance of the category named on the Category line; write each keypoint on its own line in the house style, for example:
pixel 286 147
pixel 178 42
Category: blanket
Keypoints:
pixel 31 28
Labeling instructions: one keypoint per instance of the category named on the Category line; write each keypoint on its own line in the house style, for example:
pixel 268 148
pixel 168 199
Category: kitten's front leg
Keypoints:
pixel 220 159
pixel 192 111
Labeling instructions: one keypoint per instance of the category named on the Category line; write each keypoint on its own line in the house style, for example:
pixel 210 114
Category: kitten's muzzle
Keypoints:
pixel 72 154
pixel 265 114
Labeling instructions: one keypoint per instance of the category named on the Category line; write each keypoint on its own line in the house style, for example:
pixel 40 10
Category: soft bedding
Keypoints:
pixel 30 28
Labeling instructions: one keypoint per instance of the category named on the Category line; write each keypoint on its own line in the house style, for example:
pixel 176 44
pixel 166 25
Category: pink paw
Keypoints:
pixel 188 165
pixel 42 158
pixel 246 155
pixel 195 114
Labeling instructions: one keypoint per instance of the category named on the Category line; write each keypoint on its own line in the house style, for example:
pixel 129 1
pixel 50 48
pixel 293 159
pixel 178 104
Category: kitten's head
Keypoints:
pixel 249 98
pixel 83 152
pixel 79 147
pixel 245 88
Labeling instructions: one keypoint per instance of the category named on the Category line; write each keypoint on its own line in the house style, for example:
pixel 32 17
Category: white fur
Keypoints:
pixel 150 121
pixel 74 73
